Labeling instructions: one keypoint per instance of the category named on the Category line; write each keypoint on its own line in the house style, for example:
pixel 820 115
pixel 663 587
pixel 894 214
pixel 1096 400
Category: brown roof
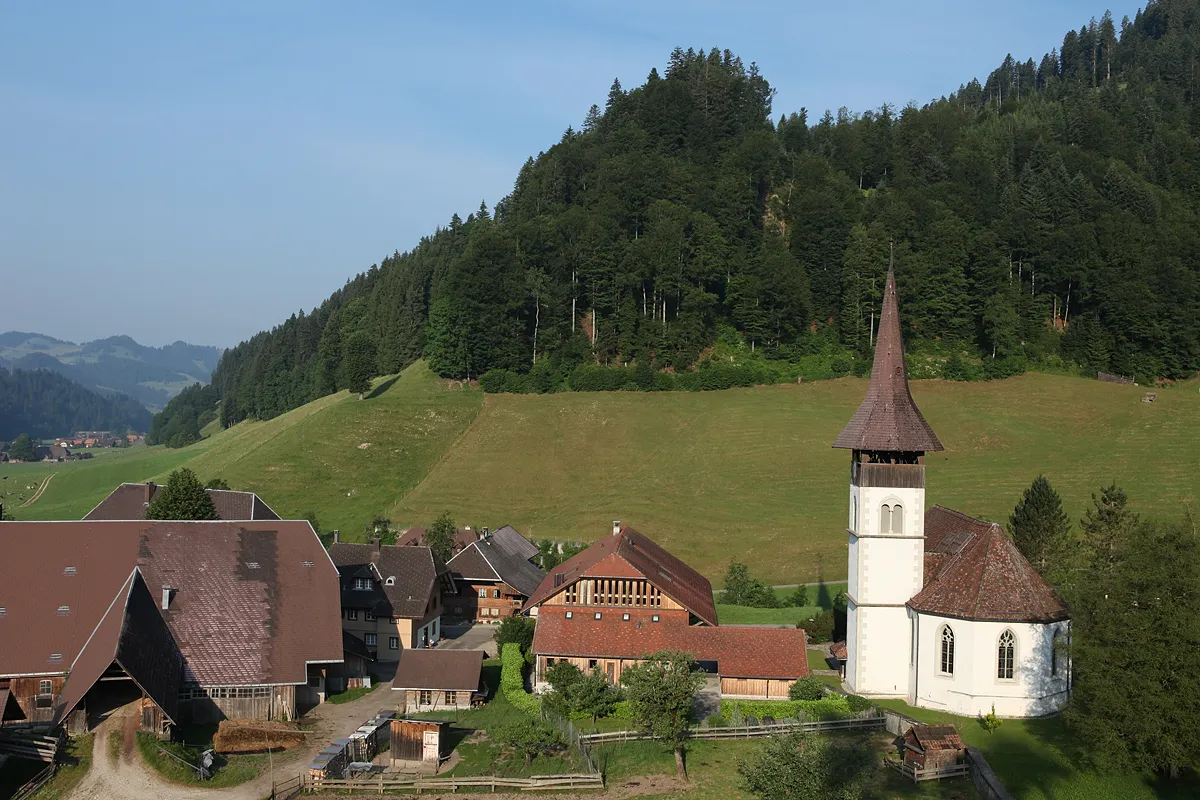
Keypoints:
pixel 415 537
pixel 779 653
pixel 973 571
pixel 888 418
pixel 936 737
pixel 494 559
pixel 129 501
pixel 838 650
pixel 414 571
pixel 441 670
pixel 630 549
pixel 9 710
pixel 251 602
pixel 356 646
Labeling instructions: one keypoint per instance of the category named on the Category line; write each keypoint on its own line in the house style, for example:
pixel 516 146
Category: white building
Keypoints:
pixel 942 610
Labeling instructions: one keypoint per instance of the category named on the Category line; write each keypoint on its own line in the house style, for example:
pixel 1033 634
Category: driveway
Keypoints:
pixel 130 779
pixel 469 637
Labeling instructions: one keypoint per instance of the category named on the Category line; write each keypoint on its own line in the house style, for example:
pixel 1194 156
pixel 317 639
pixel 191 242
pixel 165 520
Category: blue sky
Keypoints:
pixel 200 171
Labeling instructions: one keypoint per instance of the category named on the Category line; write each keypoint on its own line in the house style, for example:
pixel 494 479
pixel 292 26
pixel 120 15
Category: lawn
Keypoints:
pixel 351 695
pixel 1038 760
pixel 229 770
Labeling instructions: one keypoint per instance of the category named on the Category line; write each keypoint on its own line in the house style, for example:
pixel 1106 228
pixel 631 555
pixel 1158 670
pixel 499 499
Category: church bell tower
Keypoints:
pixel 887 438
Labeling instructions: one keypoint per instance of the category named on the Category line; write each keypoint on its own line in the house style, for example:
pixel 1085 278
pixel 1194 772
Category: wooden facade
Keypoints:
pixel 483 601
pixel 215 703
pixel 755 688
pixel 615 593
pixel 422 700
pixel 37 695
pixel 416 742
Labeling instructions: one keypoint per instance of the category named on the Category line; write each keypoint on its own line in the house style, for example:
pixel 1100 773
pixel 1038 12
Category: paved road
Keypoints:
pixel 469 637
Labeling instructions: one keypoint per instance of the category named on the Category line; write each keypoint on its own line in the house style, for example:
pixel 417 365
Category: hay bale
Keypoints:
pixel 255 736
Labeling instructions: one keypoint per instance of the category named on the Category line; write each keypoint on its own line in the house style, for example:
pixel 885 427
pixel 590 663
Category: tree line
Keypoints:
pixel 1044 214
pixel 44 404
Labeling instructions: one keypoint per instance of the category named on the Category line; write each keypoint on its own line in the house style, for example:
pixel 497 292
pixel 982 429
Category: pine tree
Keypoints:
pixel 22 449
pixel 359 364
pixel 184 497
pixel 1040 528
pixel 1106 526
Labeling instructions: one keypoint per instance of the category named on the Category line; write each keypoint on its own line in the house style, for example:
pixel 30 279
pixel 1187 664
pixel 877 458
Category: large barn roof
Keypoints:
pixel 888 418
pixel 129 501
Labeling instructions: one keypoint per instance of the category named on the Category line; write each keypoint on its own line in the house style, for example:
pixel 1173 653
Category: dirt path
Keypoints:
pixel 39 491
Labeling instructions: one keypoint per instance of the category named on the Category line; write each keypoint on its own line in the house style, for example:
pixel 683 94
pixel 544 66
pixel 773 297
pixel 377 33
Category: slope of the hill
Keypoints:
pixel 44 404
pixel 712 475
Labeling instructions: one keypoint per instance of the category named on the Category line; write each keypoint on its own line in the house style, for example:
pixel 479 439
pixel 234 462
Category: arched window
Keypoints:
pixel 897 519
pixel 885 518
pixel 1004 656
pixel 947 666
pixel 1054 645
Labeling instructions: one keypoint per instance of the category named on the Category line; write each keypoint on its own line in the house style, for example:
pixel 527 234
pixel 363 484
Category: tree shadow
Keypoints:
pixel 383 387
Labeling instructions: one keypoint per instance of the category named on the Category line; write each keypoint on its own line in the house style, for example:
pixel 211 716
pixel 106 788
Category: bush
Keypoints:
pixel 716 721
pixel 529 738
pixel 832 706
pixel 858 703
pixel 998 369
pixel 955 369
pixel 989 721
pixel 807 689
pixel 512 680
pixel 499 381
pixel 820 628
pixel 799 598
pixel 515 629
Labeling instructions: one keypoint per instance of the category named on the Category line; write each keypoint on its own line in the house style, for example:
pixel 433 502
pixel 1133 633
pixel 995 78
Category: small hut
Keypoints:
pixel 416 743
pixel 933 746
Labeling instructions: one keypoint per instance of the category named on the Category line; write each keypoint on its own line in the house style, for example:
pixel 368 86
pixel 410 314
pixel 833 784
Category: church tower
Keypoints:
pixel 888 439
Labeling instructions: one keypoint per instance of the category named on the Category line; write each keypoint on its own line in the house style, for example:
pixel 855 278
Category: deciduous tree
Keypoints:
pixel 660 691
pixel 440 537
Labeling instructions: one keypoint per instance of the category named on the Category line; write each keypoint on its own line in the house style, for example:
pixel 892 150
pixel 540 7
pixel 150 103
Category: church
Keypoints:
pixel 942 609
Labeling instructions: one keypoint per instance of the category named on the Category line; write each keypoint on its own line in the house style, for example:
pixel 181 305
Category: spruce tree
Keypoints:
pixel 440 537
pixel 359 364
pixel 22 449
pixel 184 497
pixel 1039 527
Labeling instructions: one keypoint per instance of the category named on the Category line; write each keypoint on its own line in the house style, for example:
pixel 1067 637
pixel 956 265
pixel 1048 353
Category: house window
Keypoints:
pixel 426 697
pixel 1004 656
pixel 45 687
pixel 393 642
pixel 1054 645
pixel 654 617
pixel 495 594
pixel 495 612
pixel 368 616
pixel 370 639
pixel 449 698
pixel 483 594
pixel 352 613
pixel 947 665
pixel 314 682
pixel 891 519
pixel 362 584
pixel 593 663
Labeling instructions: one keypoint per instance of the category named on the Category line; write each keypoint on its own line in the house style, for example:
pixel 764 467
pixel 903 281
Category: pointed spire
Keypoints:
pixel 888 419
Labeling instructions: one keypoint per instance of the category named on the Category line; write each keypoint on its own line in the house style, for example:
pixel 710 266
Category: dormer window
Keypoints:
pixel 63 611
pixel 391 581
pixel 362 584
pixel 68 571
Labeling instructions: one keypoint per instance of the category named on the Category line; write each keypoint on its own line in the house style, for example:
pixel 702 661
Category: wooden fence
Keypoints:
pixel 286 790
pixel 382 783
pixel 36 782
pixel 917 774
pixel 750 731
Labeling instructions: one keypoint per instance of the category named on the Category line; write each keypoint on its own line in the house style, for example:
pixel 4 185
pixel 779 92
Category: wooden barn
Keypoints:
pixel 417 743
pixel 436 680
pixel 933 746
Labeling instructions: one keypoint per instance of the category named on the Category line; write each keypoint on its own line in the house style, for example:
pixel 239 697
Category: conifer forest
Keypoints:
pixel 1048 213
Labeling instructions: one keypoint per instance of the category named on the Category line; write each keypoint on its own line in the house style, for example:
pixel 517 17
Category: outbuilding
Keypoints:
pixel 933 746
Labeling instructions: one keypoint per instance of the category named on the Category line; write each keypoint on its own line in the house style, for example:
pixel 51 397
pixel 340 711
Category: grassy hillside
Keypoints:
pixel 745 472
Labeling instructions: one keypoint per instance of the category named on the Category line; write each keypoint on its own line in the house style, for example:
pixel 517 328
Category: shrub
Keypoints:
pixel 858 703
pixel 799 597
pixel 512 680
pixel 955 369
pixel 716 721
pixel 807 689
pixel 499 381
pixel 529 738
pixel 820 627
pixel 989 721
pixel 832 706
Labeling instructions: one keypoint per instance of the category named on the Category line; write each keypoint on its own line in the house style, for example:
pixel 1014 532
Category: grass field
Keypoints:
pixel 710 475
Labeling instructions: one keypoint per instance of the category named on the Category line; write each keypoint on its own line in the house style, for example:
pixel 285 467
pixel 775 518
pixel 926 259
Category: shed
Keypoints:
pixel 416 742
pixel 932 746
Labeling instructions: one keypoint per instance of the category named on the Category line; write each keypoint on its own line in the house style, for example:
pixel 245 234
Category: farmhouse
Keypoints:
pixel 197 621
pixel 415 537
pixel 625 597
pixel 942 609
pixel 391 595
pixel 129 501
pixel 493 576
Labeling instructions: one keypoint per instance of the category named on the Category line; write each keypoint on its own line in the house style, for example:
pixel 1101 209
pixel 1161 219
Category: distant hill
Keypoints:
pixel 43 404
pixel 118 364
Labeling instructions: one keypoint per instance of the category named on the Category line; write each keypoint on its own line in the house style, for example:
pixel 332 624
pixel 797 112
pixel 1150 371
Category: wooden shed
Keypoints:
pixel 416 742
pixel 933 746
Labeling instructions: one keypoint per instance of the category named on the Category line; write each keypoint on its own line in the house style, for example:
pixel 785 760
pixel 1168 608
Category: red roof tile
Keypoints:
pixel 673 577
pixel 129 501
pixel 888 418
pixel 936 737
pixel 973 571
pixel 779 653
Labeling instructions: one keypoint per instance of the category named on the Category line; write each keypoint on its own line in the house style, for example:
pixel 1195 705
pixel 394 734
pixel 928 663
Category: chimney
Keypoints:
pixel 616 527
pixel 149 491
pixel 166 597
pixel 484 533
pixel 337 536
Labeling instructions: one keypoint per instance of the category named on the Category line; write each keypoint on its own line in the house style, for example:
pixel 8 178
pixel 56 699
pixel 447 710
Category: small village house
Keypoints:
pixel 194 621
pixel 129 501
pixel 391 595
pixel 437 680
pixel 933 746
pixel 493 576
pixel 624 597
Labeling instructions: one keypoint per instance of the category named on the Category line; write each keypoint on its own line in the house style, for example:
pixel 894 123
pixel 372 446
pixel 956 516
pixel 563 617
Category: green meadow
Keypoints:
pixel 745 473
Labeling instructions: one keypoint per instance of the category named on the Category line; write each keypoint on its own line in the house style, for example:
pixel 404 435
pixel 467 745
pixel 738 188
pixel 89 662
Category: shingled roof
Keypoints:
pixel 774 653
pixel 129 501
pixel 414 572
pixel 495 559
pixel 251 603
pixel 973 571
pixel 674 578
pixel 439 670
pixel 888 418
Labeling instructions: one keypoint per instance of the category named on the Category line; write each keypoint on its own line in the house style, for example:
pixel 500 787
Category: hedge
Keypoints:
pixel 832 707
pixel 512 680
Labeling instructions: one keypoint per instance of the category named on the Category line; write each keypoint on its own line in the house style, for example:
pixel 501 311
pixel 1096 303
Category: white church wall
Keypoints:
pixel 881 639
pixel 975 684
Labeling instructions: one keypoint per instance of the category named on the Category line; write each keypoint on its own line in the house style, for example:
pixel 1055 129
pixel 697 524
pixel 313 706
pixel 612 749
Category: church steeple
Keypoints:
pixel 888 419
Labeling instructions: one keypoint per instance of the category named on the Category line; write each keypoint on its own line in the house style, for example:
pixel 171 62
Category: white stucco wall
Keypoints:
pixel 974 686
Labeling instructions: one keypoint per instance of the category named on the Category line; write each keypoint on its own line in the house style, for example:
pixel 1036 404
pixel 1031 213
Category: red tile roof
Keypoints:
pixel 129 501
pixel 674 578
pixel 936 737
pixel 440 670
pixel 888 418
pixel 973 571
pixel 251 602
pixel 779 653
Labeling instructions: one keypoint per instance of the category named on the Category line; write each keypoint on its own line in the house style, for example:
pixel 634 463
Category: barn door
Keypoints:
pixel 431 750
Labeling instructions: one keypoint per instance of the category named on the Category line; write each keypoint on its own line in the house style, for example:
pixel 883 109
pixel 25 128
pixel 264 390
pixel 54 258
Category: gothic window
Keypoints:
pixel 897 519
pixel 885 518
pixel 1004 656
pixel 947 666
pixel 1054 645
